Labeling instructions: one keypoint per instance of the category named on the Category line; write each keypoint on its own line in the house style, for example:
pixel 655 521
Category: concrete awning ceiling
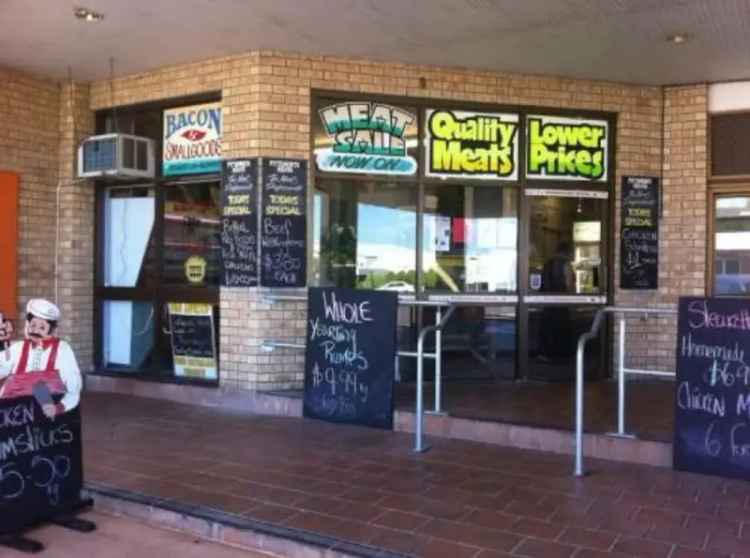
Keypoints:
pixel 619 40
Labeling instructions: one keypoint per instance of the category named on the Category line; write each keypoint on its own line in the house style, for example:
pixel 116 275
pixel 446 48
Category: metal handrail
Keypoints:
pixel 437 355
pixel 580 349
pixel 270 345
pixel 419 419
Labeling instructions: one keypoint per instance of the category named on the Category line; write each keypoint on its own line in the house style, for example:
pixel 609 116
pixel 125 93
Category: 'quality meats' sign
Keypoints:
pixel 192 140
pixel 462 144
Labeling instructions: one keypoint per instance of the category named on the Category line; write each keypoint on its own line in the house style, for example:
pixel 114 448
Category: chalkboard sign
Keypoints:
pixel 712 401
pixel 193 343
pixel 41 468
pixel 350 356
pixel 239 223
pixel 284 223
pixel 639 236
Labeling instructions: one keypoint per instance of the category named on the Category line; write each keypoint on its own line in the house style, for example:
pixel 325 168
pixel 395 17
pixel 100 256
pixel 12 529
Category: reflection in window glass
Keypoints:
pixel 470 239
pixel 566 245
pixel 478 343
pixel 127 334
pixel 192 225
pixel 553 332
pixel 732 246
pixel 128 236
pixel 364 235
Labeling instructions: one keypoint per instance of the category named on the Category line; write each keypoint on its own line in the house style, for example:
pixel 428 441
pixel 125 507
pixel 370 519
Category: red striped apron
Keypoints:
pixel 22 381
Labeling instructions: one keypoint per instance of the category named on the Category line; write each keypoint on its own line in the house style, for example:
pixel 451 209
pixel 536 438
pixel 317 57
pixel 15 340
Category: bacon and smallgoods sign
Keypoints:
pixel 192 140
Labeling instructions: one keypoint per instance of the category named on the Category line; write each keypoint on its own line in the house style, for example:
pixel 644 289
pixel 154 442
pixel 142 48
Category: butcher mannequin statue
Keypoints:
pixel 42 364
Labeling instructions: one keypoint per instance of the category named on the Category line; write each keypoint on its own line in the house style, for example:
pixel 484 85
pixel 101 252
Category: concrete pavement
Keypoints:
pixel 119 537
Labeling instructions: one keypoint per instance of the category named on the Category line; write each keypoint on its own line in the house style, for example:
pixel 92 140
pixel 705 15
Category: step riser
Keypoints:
pixel 598 446
pixel 212 530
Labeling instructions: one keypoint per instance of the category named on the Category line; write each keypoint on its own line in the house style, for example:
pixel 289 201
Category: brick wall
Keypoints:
pixel 39 145
pixel 682 250
pixel 29 146
pixel 266 99
pixel 75 277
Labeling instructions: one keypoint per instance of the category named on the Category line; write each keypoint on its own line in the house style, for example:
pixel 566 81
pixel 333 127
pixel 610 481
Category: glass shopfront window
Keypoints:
pixel 129 252
pixel 470 239
pixel 566 245
pixel 455 203
pixel 731 270
pixel 192 226
pixel 128 335
pixel 158 263
pixel 364 235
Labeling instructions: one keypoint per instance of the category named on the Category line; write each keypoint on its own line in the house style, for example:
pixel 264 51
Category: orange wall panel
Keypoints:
pixel 8 243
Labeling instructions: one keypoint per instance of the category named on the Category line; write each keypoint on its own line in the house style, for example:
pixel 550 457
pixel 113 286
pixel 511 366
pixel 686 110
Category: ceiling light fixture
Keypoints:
pixel 84 14
pixel 677 38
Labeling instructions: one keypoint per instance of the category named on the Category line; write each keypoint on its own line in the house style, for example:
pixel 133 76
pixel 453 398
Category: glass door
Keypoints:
pixel 470 254
pixel 567 279
pixel 128 276
pixel 158 278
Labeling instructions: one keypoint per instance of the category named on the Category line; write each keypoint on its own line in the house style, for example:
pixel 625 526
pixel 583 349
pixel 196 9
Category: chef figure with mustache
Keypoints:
pixel 42 364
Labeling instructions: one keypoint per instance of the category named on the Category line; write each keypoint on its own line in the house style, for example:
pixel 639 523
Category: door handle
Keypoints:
pixel 165 319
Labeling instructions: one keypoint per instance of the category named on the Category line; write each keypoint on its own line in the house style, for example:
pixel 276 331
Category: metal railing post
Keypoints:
pixel 579 407
pixel 418 446
pixel 438 362
pixel 578 467
pixel 621 380
pixel 419 411
pixel 623 372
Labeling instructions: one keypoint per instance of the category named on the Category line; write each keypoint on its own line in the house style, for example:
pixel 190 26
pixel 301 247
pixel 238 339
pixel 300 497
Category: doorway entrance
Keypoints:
pixel 159 270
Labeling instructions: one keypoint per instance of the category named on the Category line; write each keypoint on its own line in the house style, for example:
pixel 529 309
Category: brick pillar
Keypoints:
pixel 30 109
pixel 75 227
pixel 256 123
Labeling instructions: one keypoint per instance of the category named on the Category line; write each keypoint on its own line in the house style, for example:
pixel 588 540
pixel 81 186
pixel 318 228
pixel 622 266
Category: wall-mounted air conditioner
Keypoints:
pixel 116 156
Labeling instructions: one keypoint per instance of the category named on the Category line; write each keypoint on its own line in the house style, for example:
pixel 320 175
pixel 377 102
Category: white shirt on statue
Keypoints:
pixel 66 365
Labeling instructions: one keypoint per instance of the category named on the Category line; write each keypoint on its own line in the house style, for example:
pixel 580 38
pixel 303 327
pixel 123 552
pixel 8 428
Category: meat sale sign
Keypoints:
pixel 192 140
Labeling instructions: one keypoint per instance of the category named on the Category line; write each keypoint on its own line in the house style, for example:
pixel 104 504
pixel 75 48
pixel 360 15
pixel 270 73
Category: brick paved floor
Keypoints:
pixel 461 499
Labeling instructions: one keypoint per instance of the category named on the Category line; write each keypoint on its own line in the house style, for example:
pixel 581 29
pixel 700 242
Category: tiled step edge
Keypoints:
pixel 258 402
pixel 598 446
pixel 226 528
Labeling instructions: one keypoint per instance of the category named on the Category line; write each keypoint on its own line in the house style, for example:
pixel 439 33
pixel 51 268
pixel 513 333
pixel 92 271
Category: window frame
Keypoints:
pixel 716 192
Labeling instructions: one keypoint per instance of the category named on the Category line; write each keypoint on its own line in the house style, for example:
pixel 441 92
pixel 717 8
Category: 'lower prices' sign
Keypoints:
pixel 350 356
pixel 41 472
pixel 712 399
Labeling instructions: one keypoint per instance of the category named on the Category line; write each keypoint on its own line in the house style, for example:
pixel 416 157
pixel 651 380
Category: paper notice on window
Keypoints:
pixel 442 233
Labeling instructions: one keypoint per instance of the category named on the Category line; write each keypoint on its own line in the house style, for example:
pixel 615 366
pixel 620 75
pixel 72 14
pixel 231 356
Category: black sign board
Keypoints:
pixel 284 223
pixel 41 469
pixel 712 401
pixel 350 356
pixel 639 233
pixel 239 223
pixel 192 335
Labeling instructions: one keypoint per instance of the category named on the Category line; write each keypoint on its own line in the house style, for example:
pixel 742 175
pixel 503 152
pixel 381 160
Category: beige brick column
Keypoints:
pixel 30 108
pixel 75 219
pixel 682 242
pixel 262 119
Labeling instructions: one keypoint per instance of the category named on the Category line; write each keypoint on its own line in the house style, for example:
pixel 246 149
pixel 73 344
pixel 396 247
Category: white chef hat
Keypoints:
pixel 43 309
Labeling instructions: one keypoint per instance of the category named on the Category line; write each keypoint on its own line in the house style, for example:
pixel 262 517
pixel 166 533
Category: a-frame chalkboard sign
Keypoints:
pixel 41 470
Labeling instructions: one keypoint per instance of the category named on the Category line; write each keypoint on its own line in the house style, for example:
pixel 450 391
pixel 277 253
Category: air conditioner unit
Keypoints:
pixel 116 156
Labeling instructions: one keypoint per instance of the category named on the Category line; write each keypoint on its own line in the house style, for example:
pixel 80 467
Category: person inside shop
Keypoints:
pixel 558 277
pixel 42 364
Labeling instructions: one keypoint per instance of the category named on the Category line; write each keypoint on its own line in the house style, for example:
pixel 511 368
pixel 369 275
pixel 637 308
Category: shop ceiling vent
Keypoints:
pixel 119 156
